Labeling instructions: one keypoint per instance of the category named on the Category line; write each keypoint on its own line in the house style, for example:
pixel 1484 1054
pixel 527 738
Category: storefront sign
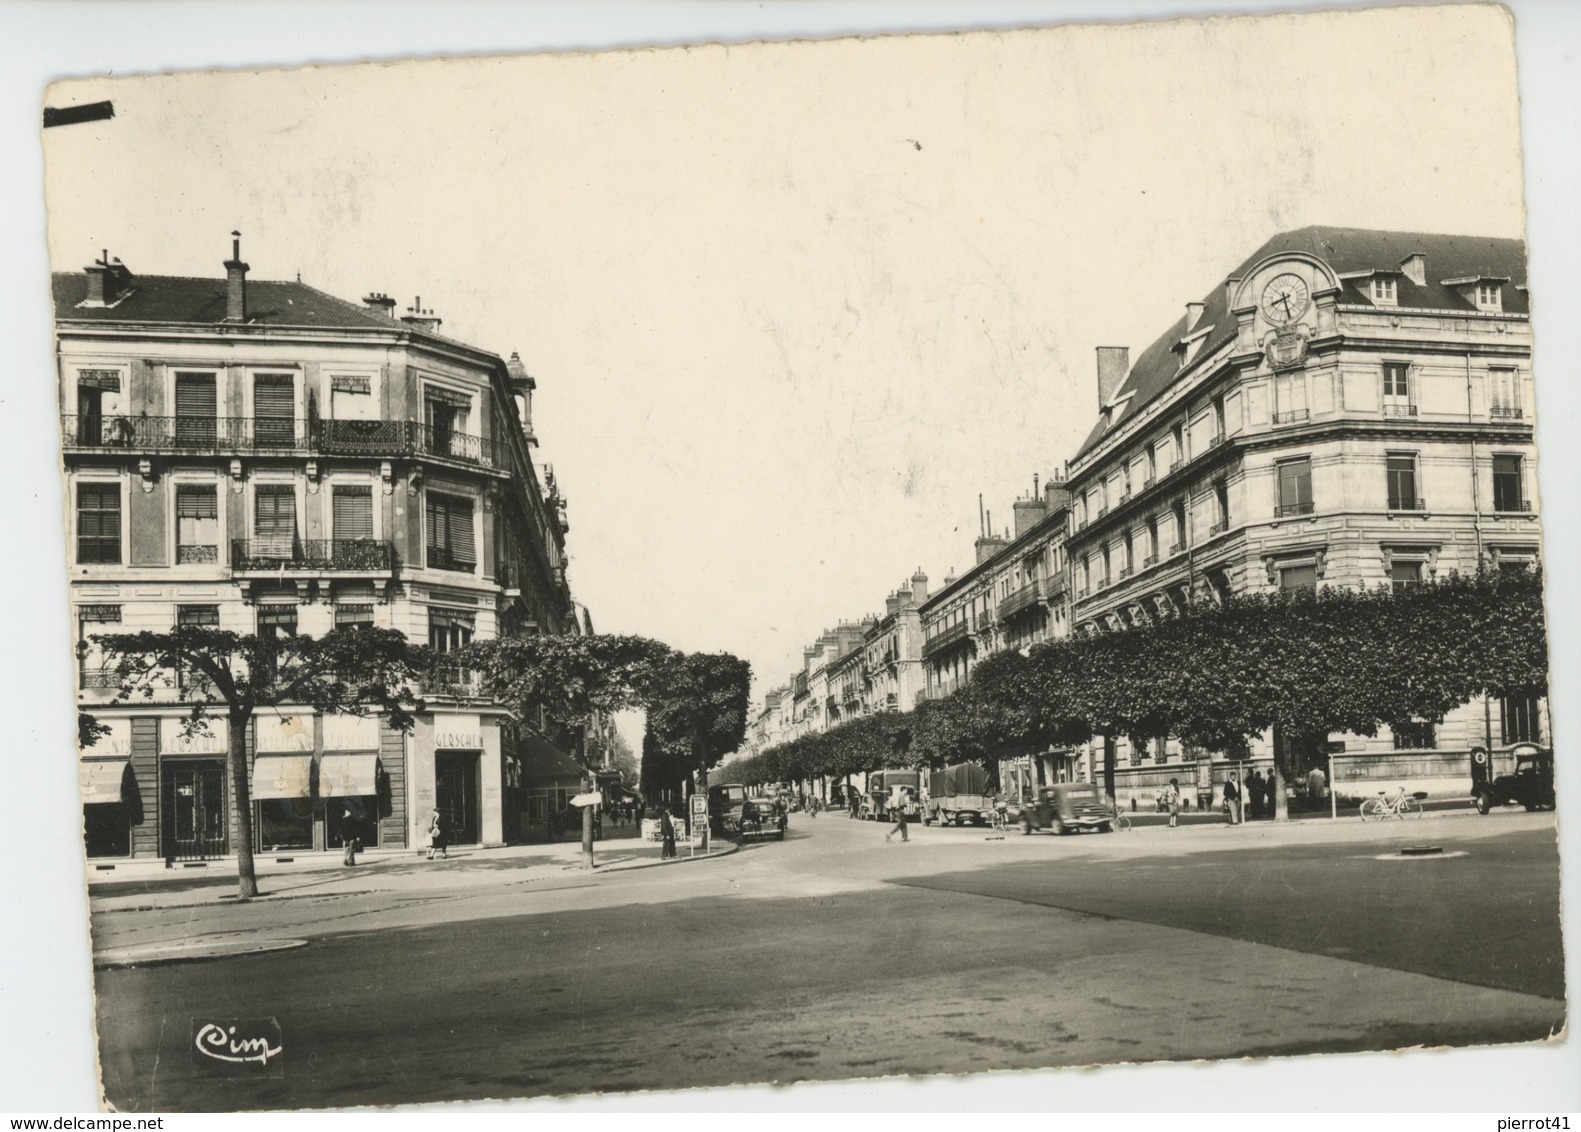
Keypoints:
pixel 116 744
pixel 210 741
pixel 458 733
pixel 351 733
pixel 285 732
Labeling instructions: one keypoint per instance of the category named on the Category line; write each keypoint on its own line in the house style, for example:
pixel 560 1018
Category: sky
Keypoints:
pixel 1137 186
pixel 793 307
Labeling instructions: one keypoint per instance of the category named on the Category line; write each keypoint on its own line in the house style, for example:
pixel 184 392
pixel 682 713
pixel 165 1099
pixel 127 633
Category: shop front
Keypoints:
pixel 456 768
pixel 282 785
pixel 110 798
pixel 194 802
pixel 353 789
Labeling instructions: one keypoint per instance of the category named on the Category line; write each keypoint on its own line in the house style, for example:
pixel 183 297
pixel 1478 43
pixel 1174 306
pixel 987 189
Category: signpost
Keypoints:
pixel 699 809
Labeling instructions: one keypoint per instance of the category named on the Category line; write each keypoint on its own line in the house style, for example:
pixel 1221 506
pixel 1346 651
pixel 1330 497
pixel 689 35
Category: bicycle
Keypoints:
pixel 1118 821
pixel 1399 805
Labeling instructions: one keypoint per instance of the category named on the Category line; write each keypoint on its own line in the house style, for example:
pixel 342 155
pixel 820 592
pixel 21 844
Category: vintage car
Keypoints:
pixel 1531 785
pixel 762 817
pixel 725 800
pixel 1066 806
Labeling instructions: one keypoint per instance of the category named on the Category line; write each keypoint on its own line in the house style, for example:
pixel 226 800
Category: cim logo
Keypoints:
pixel 236 1047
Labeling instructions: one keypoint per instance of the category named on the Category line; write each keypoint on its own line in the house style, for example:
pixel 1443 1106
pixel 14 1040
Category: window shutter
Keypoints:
pixel 196 501
pixel 353 517
pixel 461 543
pixel 195 395
pixel 274 397
pixel 274 520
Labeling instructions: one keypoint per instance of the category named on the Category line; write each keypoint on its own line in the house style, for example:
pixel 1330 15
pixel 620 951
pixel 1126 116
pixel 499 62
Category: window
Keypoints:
pixel 1414 736
pixel 1295 487
pixel 449 629
pixel 277 620
pixel 1152 539
pixel 1383 290
pixel 1086 575
pixel 351 398
pixel 445 414
pixel 197 523
pixel 1290 397
pixel 274 410
pixel 1403 575
pixel 1104 578
pixel 1507 485
pixel 1522 719
pixel 450 544
pixel 1177 433
pixel 98 408
pixel 1401 474
pixel 1489 296
pixel 1221 501
pixel 1178 510
pixel 1218 418
pixel 99 523
pixel 1150 458
pixel 207 615
pixel 274 521
pixel 1397 400
pixel 1125 542
pixel 1504 400
pixel 352 517
pixel 91 620
pixel 196 406
pixel 1298 578
pixel 359 616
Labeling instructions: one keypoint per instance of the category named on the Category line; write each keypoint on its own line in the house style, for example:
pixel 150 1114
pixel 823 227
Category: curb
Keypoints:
pixel 731 848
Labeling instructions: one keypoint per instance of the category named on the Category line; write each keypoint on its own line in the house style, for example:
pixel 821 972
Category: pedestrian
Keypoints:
pixel 851 799
pixel 349 839
pixel 1254 795
pixel 1317 785
pixel 899 810
pixel 1232 799
pixel 437 842
pixel 666 833
pixel 1172 801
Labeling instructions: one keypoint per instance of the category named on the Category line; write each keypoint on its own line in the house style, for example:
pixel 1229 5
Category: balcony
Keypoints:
pixel 1513 507
pixel 1399 410
pixel 1174 467
pixel 1149 482
pixel 1102 511
pixel 1407 504
pixel 1124 496
pixel 1022 599
pixel 1291 416
pixel 1290 510
pixel 1218 528
pixel 98 678
pixel 451 681
pixel 312 556
pixel 1082 592
pixel 1082 525
pixel 1150 560
pixel 1505 413
pixel 445 558
pixel 1218 439
pixel 252 434
pixel 1126 572
pixel 952 636
pixel 1176 548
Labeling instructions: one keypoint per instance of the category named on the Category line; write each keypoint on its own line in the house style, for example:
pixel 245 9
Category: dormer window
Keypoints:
pixel 1490 297
pixel 1383 290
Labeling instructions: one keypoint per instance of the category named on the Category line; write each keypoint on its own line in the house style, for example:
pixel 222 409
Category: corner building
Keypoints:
pixel 264 457
pixel 1347 408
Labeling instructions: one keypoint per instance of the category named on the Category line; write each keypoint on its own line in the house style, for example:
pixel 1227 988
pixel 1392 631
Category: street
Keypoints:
pixel 837 954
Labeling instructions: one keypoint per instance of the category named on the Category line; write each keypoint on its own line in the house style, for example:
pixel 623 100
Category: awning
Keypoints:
pixel 100 780
pixel 282 776
pixel 348 776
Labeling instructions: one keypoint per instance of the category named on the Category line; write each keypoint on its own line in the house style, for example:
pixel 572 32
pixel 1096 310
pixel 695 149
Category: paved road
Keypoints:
pixel 839 955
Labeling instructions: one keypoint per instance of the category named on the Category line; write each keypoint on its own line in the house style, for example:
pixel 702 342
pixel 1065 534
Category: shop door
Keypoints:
pixel 194 808
pixel 456 794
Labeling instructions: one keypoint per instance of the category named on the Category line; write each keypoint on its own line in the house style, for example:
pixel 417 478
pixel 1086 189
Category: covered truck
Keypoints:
pixel 959 794
pixel 887 789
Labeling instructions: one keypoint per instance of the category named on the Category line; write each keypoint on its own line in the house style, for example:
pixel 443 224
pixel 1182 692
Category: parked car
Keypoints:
pixel 1067 806
pixel 725 801
pixel 1532 784
pixel 762 817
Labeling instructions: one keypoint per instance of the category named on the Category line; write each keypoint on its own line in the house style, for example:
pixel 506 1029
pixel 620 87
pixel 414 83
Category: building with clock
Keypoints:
pixel 264 457
pixel 1345 407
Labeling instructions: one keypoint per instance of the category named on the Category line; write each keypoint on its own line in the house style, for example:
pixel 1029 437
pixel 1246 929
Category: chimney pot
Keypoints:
pixel 380 303
pixel 235 282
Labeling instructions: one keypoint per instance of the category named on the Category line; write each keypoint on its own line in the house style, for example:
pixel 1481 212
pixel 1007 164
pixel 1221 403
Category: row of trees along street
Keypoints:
pixel 1214 675
pixel 696 703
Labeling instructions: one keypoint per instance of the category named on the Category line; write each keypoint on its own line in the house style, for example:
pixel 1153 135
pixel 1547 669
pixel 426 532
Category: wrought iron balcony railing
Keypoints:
pixel 1150 560
pixel 1513 506
pixel 1125 572
pixel 1174 466
pixel 1216 440
pixel 353 555
pixel 1505 412
pixel 947 637
pixel 265 434
pixel 101 677
pixel 1022 599
pixel 1177 548
pixel 1398 504
pixel 453 681
pixel 1399 410
pixel 1218 528
pixel 1291 416
pixel 444 558
pixel 1286 510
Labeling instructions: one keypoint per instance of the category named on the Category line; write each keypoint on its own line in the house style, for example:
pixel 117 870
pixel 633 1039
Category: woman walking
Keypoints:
pixel 436 837
pixel 1172 801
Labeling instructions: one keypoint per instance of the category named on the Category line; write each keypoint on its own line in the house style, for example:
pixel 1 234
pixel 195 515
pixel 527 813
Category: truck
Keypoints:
pixel 959 794
pixel 887 787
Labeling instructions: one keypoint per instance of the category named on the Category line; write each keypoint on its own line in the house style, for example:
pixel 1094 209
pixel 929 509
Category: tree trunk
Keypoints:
pixel 587 827
pixel 236 745
pixel 1281 756
pixel 1109 756
pixel 702 787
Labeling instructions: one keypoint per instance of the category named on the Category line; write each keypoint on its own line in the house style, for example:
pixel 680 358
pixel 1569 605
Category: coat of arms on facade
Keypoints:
pixel 1286 349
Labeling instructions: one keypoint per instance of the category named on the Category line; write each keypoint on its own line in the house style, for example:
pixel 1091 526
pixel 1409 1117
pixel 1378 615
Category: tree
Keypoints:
pixel 361 671
pixel 697 714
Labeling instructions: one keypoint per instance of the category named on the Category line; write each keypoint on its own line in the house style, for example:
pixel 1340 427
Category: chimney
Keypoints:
pixel 1055 493
pixel 419 319
pixel 892 605
pixel 988 544
pixel 1194 315
pixel 1415 268
pixel 522 385
pixel 1114 362
pixel 950 578
pixel 919 586
pixel 380 303
pixel 235 282
pixel 1029 513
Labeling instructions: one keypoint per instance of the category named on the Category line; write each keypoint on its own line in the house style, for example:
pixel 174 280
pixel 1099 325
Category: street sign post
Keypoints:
pixel 699 815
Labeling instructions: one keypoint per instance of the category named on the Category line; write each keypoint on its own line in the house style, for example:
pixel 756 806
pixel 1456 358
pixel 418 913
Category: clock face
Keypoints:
pixel 1285 299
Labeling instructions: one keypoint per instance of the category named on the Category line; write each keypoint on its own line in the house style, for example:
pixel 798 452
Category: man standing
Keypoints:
pixel 1254 795
pixel 666 833
pixel 1172 801
pixel 1232 799
pixel 1317 786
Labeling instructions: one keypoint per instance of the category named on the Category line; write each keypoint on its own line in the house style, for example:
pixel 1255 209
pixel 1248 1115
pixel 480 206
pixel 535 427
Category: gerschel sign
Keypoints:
pixel 285 732
pixel 351 733
pixel 210 741
pixel 458 733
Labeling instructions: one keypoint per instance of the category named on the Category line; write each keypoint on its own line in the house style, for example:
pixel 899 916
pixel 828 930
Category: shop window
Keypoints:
pixel 197 523
pixel 356 818
pixel 354 616
pixel 1414 736
pixel 277 620
pixel 99 523
pixel 107 829
pixel 1522 719
pixel 285 823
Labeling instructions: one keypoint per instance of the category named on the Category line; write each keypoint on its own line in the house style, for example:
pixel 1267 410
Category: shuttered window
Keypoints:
pixel 274 409
pixel 353 516
pixel 450 541
pixel 99 523
pixel 196 408
pixel 274 521
pixel 197 523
